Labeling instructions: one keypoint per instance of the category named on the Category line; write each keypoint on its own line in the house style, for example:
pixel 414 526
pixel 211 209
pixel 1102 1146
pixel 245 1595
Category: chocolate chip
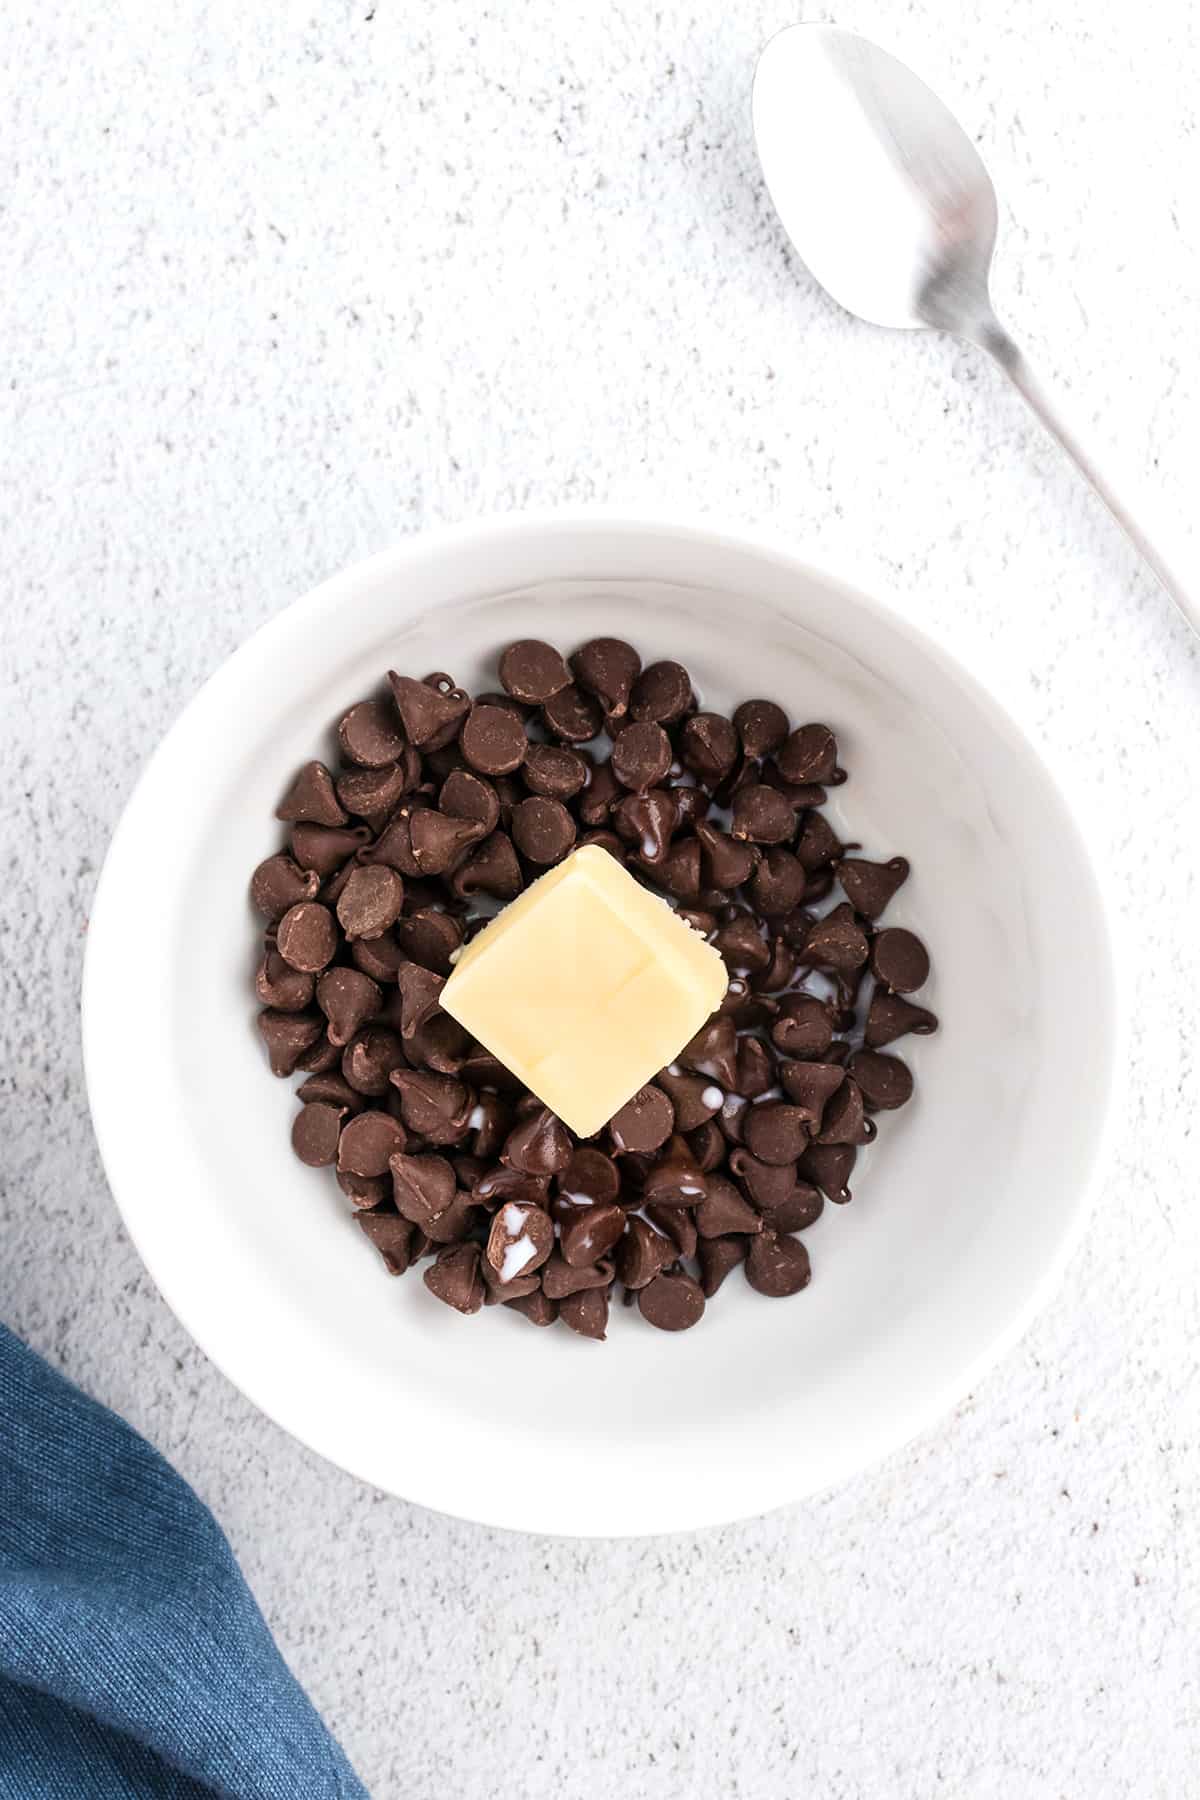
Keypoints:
pixel 829 1166
pixel 708 745
pixel 373 794
pixel 755 1068
pixel 779 972
pixel 369 1142
pixel 713 1051
pixel 503 1184
pixel 647 821
pixel 836 942
pixel 279 883
pixel 804 1027
pixel 430 938
pixel 761 815
pixel 377 957
pixel 762 726
pixel 777 1266
pixel 676 1178
pixel 608 668
pixel 307 936
pixel 694 1098
pixel 287 1036
pixel 600 796
pixel 559 1279
pixel 418 997
pixel 644 1123
pixel 845 1121
pixel 573 715
pixel 543 830
pixel 779 882
pixel 708 1146
pixel 348 998
pixel 436 1107
pixel 325 848
pixel 810 1086
pixel 315 1134
pixel 537 1307
pixel 766 1184
pixel 586 1312
pixel 520 709
pixel 870 886
pixel 641 756
pixel 532 671
pixel 718 1258
pixel 493 741
pixel 591 1234
pixel 590 1175
pixel 661 694
pixel 365 1192
pixel 539 1145
pixel 520 1240
pixel 468 796
pixel 723 1210
pixel 607 840
pixel 742 945
pixel 423 1187
pixel 311 797
pixel 370 1057
pixel 431 718
pixel 672 1301
pixel 642 1254
pixel 331 1087
pixel 391 1236
pixel 898 958
pixel 727 863
pixel 280 986
pixel 809 754
pixel 393 846
pixel 370 734
pixel 890 1017
pixel 801 1208
pixel 817 844
pixel 775 1131
pixel 454 1277
pixel 319 1056
pixel 676 1223
pixel 371 901
pixel 555 772
pixel 440 842
pixel 679 871
pixel 459 1221
pixel 885 1081
pixel 491 869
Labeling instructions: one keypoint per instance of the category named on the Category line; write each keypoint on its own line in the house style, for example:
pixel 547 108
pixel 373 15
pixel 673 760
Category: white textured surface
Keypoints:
pixel 279 284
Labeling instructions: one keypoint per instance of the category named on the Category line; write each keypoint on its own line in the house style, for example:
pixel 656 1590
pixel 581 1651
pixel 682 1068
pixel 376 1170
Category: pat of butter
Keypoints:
pixel 585 987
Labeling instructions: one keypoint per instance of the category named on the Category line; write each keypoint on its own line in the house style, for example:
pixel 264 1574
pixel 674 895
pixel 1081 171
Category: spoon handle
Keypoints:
pixel 992 337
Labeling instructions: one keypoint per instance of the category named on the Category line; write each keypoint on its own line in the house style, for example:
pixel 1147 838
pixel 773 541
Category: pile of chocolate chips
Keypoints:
pixel 442 810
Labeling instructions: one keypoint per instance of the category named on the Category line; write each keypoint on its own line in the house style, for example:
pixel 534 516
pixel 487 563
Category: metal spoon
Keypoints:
pixel 887 201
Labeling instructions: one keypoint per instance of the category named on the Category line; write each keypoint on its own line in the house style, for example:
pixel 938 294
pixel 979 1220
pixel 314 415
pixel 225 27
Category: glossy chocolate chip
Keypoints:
pixel 727 863
pixel 761 725
pixel 676 1223
pixel 829 1167
pixel 644 1123
pixel 810 1086
pixel 431 718
pixel 709 746
pixel 368 1144
pixel 661 695
pixel 837 942
pixel 554 772
pixel 718 1258
pixel 590 1175
pixel 800 1209
pixel 315 1132
pixel 391 1236
pixel 370 734
pixel 777 1266
pixel 743 946
pixel 889 1017
pixel 348 998
pixel 713 1051
pixel 641 756
pixel 573 715
pixel 436 1107
pixel 870 886
pixel 694 1097
pixel 493 741
pixel 755 1068
pixel 642 1254
pixel 600 796
pixel 280 883
pixel 775 1131
pixel 676 1178
pixel 723 1211
pixel 898 959
pixel 307 937
pixel 532 671
pixel 492 868
pixel 468 796
pixel 417 999
pixel 371 901
pixel 454 1278
pixel 586 1313
pixel 311 797
pixel 520 1239
pixel 885 1081
pixel 672 1301
pixel 607 668
pixel 558 1278
pixel 537 1308
pixel 804 1027
pixel 373 794
pixel 539 1145
pixel 429 937
pixel 370 1057
pixel 761 815
pixel 817 846
pixel 543 830
pixel 779 882
pixel 679 870
pixel 646 821
pixel 845 1120
pixel 423 1187
pixel 591 1234
pixel 809 755
pixel 440 842
pixel 326 847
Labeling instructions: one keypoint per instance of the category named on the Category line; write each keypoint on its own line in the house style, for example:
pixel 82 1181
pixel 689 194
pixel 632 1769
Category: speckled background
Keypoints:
pixel 281 282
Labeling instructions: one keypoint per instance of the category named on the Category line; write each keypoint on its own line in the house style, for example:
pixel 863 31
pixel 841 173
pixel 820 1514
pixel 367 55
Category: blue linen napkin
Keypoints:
pixel 133 1659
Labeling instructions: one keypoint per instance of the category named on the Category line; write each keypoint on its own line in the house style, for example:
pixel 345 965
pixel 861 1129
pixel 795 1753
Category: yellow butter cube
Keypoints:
pixel 585 987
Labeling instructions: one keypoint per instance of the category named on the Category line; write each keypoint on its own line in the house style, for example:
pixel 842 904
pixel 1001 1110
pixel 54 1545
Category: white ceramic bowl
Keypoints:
pixel 964 1210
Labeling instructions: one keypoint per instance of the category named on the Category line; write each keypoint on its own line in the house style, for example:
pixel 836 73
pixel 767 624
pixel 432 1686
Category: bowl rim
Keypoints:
pixel 702 528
